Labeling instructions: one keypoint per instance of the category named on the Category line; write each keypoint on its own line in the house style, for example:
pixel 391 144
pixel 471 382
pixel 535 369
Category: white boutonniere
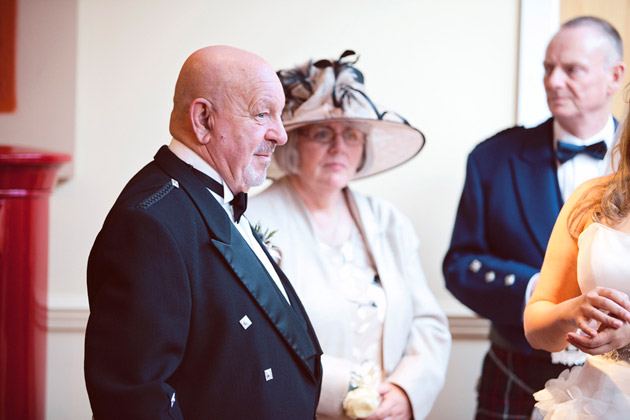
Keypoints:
pixel 265 237
pixel 363 397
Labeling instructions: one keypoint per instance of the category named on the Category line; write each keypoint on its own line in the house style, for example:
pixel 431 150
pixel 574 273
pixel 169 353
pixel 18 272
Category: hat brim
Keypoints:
pixel 389 144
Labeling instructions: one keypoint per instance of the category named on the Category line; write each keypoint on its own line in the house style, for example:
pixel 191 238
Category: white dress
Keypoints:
pixel 601 388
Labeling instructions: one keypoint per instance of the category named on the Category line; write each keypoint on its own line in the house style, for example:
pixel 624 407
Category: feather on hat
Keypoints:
pixel 333 90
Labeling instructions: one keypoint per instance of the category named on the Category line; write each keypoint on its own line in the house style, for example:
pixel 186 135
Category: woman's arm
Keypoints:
pixel 557 306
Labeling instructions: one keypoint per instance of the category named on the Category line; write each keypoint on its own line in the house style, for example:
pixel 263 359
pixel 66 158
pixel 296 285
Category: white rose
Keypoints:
pixel 361 402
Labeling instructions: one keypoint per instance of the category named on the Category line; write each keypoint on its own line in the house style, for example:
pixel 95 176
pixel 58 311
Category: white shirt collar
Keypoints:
pixel 607 134
pixel 188 155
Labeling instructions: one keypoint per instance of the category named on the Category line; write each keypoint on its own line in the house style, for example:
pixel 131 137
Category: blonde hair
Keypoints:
pixel 608 200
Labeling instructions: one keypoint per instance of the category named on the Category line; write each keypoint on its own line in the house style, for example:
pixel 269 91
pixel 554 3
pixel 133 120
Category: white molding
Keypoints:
pixel 74 320
pixel 67 319
pixel 469 328
pixel 540 19
pixel 67 312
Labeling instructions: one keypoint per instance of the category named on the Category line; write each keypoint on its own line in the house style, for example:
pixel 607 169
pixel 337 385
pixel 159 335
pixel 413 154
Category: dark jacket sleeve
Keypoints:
pixel 491 284
pixel 139 318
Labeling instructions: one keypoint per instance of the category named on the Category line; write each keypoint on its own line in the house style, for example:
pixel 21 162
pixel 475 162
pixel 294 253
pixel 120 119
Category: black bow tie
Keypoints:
pixel 239 202
pixel 239 205
pixel 567 151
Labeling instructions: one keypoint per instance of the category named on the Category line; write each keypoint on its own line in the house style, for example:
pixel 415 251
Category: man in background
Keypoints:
pixel 516 182
pixel 189 316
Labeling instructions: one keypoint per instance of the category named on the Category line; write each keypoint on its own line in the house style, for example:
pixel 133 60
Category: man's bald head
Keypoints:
pixel 212 73
pixel 608 34
pixel 227 109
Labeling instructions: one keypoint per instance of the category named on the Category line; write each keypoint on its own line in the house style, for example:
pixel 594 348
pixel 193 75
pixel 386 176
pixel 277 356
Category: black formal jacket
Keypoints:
pixel 185 322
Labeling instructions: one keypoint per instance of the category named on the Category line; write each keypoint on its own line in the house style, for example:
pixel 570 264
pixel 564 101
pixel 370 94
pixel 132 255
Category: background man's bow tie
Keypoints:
pixel 239 202
pixel 567 151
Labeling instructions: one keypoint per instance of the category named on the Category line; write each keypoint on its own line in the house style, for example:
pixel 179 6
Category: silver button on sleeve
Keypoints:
pixel 509 279
pixel 489 276
pixel 475 265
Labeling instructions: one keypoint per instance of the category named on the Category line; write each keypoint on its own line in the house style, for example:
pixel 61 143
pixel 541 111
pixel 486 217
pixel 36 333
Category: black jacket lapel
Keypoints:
pixel 293 297
pixel 237 253
pixel 254 277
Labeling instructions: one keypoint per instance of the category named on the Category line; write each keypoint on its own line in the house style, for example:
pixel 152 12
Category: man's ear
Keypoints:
pixel 617 71
pixel 201 119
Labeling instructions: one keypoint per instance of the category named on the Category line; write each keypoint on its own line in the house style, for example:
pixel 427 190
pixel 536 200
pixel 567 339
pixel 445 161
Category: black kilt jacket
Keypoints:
pixel 185 322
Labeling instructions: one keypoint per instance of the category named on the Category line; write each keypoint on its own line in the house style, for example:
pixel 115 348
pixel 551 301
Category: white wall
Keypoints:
pixel 448 66
pixel 538 23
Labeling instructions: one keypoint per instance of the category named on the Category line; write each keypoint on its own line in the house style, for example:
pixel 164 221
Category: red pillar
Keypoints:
pixel 27 177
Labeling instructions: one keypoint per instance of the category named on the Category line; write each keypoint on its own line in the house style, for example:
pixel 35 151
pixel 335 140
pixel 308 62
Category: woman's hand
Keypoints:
pixel 607 339
pixel 394 406
pixel 608 307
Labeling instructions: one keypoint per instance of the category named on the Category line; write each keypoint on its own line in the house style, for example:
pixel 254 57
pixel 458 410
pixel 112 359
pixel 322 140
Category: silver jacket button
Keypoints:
pixel 475 265
pixel 489 277
pixel 509 279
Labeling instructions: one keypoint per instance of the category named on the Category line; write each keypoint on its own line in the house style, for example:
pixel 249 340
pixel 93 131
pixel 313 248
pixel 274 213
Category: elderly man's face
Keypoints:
pixel 247 128
pixel 578 78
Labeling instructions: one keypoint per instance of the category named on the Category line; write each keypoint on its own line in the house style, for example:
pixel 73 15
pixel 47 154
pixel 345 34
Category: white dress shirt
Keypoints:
pixel 187 155
pixel 582 167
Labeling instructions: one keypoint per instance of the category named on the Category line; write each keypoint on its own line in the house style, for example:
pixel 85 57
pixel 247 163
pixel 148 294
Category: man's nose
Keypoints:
pixel 277 133
pixel 555 77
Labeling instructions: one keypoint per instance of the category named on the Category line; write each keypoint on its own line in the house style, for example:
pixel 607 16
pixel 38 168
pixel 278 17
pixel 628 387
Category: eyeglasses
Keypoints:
pixel 324 134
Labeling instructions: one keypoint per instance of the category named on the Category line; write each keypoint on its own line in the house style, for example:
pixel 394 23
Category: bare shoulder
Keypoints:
pixel 579 208
pixel 590 189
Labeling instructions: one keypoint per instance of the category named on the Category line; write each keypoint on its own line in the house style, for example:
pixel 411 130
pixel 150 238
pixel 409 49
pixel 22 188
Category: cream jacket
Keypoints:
pixel 416 340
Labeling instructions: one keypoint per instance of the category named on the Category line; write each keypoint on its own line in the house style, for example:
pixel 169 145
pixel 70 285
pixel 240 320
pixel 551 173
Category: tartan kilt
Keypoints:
pixel 508 395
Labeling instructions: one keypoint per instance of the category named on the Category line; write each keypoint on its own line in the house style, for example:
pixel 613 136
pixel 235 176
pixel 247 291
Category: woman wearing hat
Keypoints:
pixel 353 259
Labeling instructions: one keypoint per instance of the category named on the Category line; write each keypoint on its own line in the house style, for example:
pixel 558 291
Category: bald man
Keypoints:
pixel 189 316
pixel 515 184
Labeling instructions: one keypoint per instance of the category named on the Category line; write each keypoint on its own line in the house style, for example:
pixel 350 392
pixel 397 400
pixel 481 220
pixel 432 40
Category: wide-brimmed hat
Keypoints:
pixel 333 90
